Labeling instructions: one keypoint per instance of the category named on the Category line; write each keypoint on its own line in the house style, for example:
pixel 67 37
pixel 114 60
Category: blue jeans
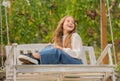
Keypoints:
pixel 51 55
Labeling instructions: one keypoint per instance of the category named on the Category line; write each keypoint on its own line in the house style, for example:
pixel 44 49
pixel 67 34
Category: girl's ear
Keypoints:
pixel 76 22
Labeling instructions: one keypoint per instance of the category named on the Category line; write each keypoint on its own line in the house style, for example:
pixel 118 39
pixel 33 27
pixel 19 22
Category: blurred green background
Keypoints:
pixel 34 21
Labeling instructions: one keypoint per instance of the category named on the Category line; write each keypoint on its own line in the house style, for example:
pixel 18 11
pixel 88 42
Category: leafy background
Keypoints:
pixel 34 21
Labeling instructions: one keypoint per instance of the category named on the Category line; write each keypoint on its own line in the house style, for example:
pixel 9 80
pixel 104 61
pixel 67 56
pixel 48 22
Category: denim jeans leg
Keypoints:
pixel 51 55
pixel 67 59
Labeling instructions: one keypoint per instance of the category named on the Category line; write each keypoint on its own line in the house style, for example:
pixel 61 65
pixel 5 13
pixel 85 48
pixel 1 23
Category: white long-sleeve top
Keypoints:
pixel 76 43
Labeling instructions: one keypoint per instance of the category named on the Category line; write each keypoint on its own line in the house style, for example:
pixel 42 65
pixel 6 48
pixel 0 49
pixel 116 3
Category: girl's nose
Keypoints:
pixel 70 23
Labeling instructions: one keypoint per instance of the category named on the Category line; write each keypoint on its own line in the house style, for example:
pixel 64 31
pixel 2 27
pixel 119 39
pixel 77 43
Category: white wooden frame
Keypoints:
pixel 95 71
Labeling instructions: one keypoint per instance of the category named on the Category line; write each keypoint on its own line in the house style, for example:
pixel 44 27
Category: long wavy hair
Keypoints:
pixel 59 33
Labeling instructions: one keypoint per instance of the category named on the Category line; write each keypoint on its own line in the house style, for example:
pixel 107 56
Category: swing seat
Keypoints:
pixel 95 70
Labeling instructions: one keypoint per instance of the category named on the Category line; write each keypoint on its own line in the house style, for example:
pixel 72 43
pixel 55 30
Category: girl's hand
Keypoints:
pixel 59 47
pixel 48 44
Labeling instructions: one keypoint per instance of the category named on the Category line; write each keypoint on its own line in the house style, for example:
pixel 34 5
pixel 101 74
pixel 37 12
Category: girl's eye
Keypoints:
pixel 68 21
pixel 73 22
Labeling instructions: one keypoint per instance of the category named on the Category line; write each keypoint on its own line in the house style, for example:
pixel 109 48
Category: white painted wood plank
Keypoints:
pixel 92 56
pixel 103 54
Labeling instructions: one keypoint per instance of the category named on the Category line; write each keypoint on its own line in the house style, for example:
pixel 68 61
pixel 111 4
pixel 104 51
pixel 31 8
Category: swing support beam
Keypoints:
pixel 104 30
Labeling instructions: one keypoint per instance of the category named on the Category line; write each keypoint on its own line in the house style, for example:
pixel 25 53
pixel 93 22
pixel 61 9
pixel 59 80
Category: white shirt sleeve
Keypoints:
pixel 76 43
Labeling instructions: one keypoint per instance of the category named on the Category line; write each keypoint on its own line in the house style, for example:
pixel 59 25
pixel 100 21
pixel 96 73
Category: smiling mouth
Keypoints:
pixel 70 26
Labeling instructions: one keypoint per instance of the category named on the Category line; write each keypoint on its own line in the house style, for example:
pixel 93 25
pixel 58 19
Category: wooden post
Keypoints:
pixel 104 30
pixel 117 43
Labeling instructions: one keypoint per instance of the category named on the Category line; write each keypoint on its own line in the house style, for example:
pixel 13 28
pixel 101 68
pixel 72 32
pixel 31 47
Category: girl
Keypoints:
pixel 67 47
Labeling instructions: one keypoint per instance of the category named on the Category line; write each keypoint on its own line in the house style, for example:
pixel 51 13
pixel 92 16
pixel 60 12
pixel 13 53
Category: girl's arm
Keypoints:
pixel 59 47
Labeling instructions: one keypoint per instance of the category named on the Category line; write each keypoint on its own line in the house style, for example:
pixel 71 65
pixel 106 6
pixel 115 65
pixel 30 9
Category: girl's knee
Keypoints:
pixel 50 51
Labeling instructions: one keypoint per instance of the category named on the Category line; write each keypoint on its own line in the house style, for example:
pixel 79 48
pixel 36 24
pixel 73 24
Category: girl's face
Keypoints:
pixel 68 25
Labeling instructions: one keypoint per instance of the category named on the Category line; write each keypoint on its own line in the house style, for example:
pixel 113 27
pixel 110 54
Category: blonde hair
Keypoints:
pixel 59 33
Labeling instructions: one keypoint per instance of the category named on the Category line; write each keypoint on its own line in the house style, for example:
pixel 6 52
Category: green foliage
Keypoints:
pixel 118 68
pixel 35 21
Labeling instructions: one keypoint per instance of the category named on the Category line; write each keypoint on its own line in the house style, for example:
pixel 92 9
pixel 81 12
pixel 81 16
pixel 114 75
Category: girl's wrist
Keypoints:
pixel 61 48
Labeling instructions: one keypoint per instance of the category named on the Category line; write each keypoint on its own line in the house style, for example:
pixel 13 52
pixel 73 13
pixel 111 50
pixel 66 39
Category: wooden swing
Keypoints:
pixel 94 71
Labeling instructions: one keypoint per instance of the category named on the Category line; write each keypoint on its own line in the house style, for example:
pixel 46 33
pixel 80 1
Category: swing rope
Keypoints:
pixel 109 16
pixel 8 39
pixel 101 22
pixel 5 4
pixel 2 64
